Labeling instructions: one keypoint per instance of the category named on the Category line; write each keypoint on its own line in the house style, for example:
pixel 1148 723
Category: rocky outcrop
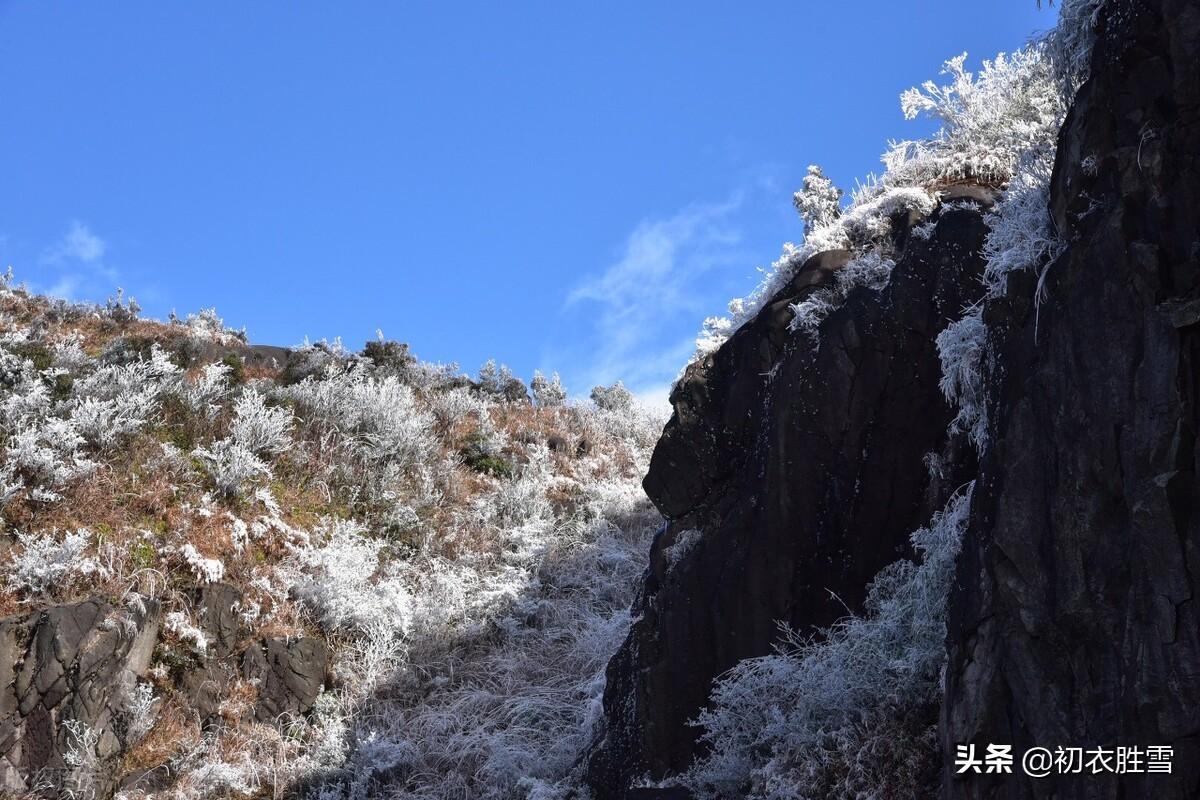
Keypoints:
pixel 67 677
pixel 1075 620
pixel 791 471
pixel 291 673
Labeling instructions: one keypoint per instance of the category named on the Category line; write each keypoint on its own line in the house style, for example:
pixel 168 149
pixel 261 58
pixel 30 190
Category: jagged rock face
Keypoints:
pixel 291 672
pixel 1074 621
pixel 801 464
pixel 69 664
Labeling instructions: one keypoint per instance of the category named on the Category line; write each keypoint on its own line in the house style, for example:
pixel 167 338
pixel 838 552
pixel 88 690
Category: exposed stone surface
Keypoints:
pixel 217 608
pixel 291 672
pixel 69 666
pixel 802 466
pixel 1075 622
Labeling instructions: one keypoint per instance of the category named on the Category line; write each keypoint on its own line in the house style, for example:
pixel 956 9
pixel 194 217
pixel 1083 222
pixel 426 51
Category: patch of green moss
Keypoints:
pixel 36 352
pixel 142 555
pixel 237 369
pixel 479 456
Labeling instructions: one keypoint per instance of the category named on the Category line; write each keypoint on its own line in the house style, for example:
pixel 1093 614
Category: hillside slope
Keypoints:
pixel 244 571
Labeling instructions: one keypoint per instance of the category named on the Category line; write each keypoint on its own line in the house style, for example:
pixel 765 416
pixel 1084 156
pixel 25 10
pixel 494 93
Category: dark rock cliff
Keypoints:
pixel 801 464
pixel 1074 622
pixel 66 674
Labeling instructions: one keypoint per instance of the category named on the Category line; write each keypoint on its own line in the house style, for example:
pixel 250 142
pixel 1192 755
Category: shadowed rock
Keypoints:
pixel 1074 623
pixel 801 464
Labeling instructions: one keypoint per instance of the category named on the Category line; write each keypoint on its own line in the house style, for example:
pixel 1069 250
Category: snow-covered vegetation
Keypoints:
pixel 997 125
pixel 468 556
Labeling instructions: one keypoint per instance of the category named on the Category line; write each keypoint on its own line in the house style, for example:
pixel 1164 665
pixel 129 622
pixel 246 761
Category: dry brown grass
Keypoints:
pixel 175 732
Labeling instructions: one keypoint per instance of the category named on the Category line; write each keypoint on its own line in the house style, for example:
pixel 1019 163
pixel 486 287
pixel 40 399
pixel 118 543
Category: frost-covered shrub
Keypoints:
pixel 962 347
pixel 205 392
pixel 612 398
pixel 990 120
pixel 784 725
pixel 818 202
pixel 1021 234
pixel 117 400
pixel 45 562
pixel 685 542
pixel 181 625
pixel 263 430
pixel 508 658
pixel 140 711
pixel 457 404
pixel 547 392
pixel 206 570
pixel 231 465
pixel 122 310
pixel 378 420
pixel 390 356
pixel 500 383
pixel 342 585
pixel 47 457
pixel 207 326
pixel 1069 44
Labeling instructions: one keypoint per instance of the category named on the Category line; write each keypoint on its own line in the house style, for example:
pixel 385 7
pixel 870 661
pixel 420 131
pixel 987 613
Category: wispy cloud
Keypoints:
pixel 644 308
pixel 74 265
pixel 79 244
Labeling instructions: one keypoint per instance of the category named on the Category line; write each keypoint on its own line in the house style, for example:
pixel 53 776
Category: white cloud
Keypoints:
pixel 79 244
pixel 73 267
pixel 645 307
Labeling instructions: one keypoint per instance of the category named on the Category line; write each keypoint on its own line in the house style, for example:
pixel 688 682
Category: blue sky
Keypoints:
pixel 558 185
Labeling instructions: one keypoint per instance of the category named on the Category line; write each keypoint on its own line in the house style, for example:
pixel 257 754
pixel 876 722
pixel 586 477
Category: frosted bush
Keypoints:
pixel 49 456
pixel 500 383
pixel 180 624
pixel 870 271
pixel 46 562
pixel 818 202
pixel 962 347
pixel 141 708
pixel 207 326
pixel 261 429
pixel 342 584
pixel 547 392
pixel 221 778
pixel 1021 234
pixel 205 392
pixel 684 543
pixel 1070 43
pixel 779 725
pixel 613 398
pixel 990 120
pixel 206 570
pixel 120 309
pixel 378 419
pixel 231 465
pixel 120 399
pixel 457 404
pixel 507 659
